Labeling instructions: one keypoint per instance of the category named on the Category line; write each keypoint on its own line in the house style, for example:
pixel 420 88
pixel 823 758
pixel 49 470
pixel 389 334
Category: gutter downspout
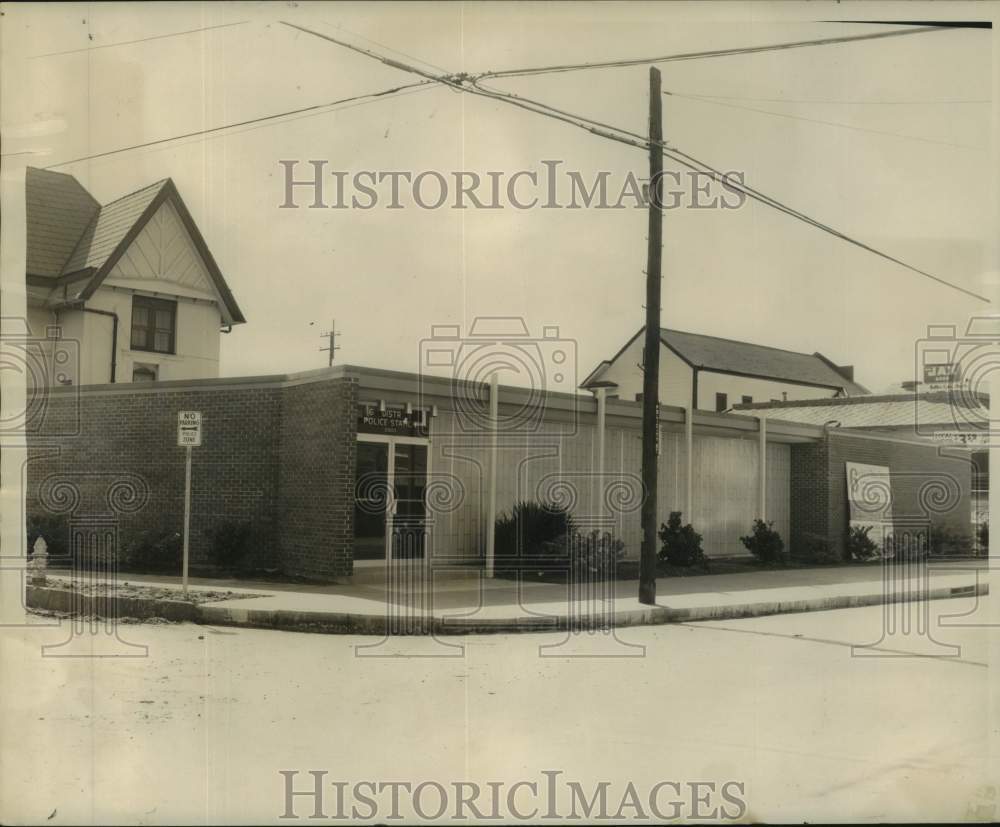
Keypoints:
pixel 114 335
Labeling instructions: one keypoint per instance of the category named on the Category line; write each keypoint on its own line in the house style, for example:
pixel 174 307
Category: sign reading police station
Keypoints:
pixel 391 420
pixel 189 429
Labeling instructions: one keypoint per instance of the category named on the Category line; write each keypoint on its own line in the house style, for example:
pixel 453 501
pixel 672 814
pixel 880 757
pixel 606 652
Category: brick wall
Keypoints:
pixel 133 436
pixel 926 485
pixel 316 478
pixel 280 457
pixel 809 495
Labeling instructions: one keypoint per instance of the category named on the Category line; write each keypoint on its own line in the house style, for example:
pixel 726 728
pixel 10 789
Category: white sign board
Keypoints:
pixel 189 429
pixel 869 497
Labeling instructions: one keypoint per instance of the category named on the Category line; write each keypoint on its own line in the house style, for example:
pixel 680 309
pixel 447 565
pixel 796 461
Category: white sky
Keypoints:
pixel 388 275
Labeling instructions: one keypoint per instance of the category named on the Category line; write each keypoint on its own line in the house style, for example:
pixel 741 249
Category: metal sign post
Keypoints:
pixel 188 437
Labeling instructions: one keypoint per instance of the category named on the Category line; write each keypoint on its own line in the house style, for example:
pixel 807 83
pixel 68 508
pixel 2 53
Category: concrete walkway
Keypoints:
pixel 463 601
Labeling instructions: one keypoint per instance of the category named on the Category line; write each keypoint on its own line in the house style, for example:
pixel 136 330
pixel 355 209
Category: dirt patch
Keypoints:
pixel 132 590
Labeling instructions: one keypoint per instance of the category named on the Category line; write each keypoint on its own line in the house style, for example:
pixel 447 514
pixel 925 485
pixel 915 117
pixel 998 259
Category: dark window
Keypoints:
pixel 747 400
pixel 721 402
pixel 153 324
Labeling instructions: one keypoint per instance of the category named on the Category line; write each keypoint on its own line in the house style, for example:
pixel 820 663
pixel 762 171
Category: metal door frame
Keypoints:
pixel 390 503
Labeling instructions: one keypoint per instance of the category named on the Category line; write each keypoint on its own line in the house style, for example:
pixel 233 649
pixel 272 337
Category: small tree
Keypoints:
pixel 859 545
pixel 681 543
pixel 764 543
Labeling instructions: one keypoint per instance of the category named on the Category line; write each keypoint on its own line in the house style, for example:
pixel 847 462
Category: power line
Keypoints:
pixel 140 40
pixel 746 50
pixel 384 46
pixel 838 102
pixel 824 123
pixel 634 139
pixel 674 153
pixel 209 131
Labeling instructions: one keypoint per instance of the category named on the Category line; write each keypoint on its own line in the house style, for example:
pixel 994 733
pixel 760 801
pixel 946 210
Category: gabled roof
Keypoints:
pixel 70 233
pixel 745 359
pixel 59 210
pixel 109 227
pixel 943 409
pixel 730 356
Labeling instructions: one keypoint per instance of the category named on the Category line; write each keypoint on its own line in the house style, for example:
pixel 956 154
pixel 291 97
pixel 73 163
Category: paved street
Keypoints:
pixel 199 729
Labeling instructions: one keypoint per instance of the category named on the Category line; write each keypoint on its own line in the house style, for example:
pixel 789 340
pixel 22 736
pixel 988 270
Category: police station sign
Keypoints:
pixel 391 420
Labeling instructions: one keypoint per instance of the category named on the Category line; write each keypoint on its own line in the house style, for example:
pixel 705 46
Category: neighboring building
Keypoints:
pixel 709 373
pixel 125 292
pixel 957 420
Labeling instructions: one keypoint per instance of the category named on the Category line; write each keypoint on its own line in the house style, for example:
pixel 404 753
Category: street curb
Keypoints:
pixel 64 600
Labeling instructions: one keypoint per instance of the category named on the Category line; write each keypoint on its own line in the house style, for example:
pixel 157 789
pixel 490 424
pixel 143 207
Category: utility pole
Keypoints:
pixel 651 360
pixel 331 337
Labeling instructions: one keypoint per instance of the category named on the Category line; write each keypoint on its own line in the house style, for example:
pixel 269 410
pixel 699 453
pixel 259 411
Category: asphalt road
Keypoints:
pixel 199 730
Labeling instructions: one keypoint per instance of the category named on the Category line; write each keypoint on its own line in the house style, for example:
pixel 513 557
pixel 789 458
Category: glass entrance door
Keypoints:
pixel 409 482
pixel 390 483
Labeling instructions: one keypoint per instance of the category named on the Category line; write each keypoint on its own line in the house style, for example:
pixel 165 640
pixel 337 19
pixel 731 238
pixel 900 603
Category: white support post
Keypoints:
pixel 187 518
pixel 689 464
pixel 762 475
pixel 491 499
pixel 602 411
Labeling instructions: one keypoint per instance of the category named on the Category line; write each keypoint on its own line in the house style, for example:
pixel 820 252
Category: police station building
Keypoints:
pixel 338 470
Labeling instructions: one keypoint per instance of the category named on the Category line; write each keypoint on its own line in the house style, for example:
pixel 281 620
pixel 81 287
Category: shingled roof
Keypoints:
pixel 59 211
pixel 745 359
pixel 69 232
pixel 935 409
pixel 728 355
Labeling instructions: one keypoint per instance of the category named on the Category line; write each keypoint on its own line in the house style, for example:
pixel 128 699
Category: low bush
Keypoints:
pixel 816 549
pixel 532 534
pixel 947 539
pixel 229 542
pixel 765 544
pixel 859 545
pixel 54 528
pixel 681 543
pixel 158 548
pixel 594 555
pixel 906 546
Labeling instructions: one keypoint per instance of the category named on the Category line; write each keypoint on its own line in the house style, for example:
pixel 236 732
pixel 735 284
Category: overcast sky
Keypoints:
pixel 922 194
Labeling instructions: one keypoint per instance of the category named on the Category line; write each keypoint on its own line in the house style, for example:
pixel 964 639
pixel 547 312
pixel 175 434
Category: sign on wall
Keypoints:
pixel 941 375
pixel 869 498
pixel 391 420
pixel 189 429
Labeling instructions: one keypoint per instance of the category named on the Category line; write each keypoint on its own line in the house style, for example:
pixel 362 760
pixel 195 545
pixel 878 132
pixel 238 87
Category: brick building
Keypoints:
pixel 331 468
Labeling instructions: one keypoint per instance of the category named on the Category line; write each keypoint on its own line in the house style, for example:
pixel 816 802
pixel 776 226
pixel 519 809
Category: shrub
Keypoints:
pixel 906 546
pixel 594 554
pixel 229 543
pixel 817 548
pixel 764 543
pixel 948 539
pixel 54 528
pixel 859 545
pixel 681 543
pixel 158 548
pixel 983 535
pixel 527 535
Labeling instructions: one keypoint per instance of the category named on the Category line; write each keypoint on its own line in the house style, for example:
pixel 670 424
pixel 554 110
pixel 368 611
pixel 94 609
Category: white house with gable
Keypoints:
pixel 121 292
pixel 709 373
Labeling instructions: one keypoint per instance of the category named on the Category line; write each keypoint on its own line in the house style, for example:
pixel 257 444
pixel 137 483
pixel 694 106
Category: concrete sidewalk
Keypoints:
pixel 464 602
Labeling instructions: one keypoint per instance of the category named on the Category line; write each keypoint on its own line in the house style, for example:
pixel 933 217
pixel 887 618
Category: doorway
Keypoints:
pixel 389 497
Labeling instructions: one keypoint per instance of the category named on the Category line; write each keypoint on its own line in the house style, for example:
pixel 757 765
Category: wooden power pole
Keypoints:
pixel 651 360
pixel 332 346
